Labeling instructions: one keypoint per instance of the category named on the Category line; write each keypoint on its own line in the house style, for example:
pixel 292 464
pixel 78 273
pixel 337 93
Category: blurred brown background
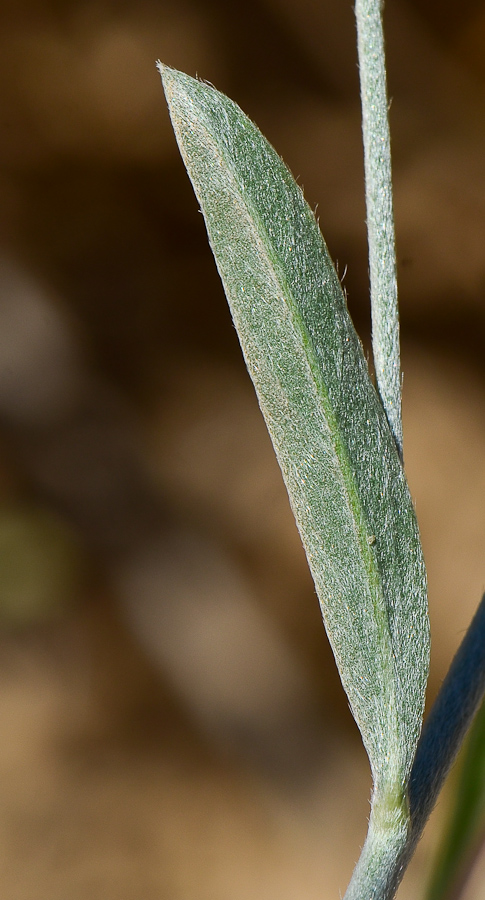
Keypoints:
pixel 173 724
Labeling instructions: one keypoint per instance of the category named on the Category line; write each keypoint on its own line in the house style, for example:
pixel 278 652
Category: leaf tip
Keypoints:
pixel 168 77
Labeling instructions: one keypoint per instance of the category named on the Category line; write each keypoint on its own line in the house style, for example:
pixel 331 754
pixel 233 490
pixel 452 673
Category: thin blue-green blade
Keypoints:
pixel 465 830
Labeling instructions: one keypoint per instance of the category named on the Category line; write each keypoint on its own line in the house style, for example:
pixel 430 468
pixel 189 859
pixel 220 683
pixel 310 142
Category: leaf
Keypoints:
pixel 465 832
pixel 336 452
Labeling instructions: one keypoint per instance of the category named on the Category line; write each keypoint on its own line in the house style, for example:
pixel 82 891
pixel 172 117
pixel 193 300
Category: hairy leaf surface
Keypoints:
pixel 338 457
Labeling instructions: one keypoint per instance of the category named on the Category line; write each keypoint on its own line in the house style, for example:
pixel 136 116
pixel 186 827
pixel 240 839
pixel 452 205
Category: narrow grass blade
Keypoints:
pixel 460 697
pixel 465 832
pixel 449 719
pixel 338 456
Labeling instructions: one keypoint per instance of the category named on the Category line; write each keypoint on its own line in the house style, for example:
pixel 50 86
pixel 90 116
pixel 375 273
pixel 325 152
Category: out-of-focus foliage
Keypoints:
pixel 40 566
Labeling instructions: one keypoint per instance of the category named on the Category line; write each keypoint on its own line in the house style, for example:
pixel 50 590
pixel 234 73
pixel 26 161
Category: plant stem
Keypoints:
pixel 375 875
pixel 380 216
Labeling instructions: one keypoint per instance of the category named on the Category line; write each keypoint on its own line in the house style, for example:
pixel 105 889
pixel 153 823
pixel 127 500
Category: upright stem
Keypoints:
pixel 380 216
pixel 375 876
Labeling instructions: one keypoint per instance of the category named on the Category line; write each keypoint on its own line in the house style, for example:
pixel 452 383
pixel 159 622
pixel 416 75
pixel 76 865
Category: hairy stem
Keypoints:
pixel 374 877
pixel 380 216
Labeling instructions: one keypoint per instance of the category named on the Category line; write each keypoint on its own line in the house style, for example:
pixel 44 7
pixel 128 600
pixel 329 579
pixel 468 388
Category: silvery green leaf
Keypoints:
pixel 338 457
